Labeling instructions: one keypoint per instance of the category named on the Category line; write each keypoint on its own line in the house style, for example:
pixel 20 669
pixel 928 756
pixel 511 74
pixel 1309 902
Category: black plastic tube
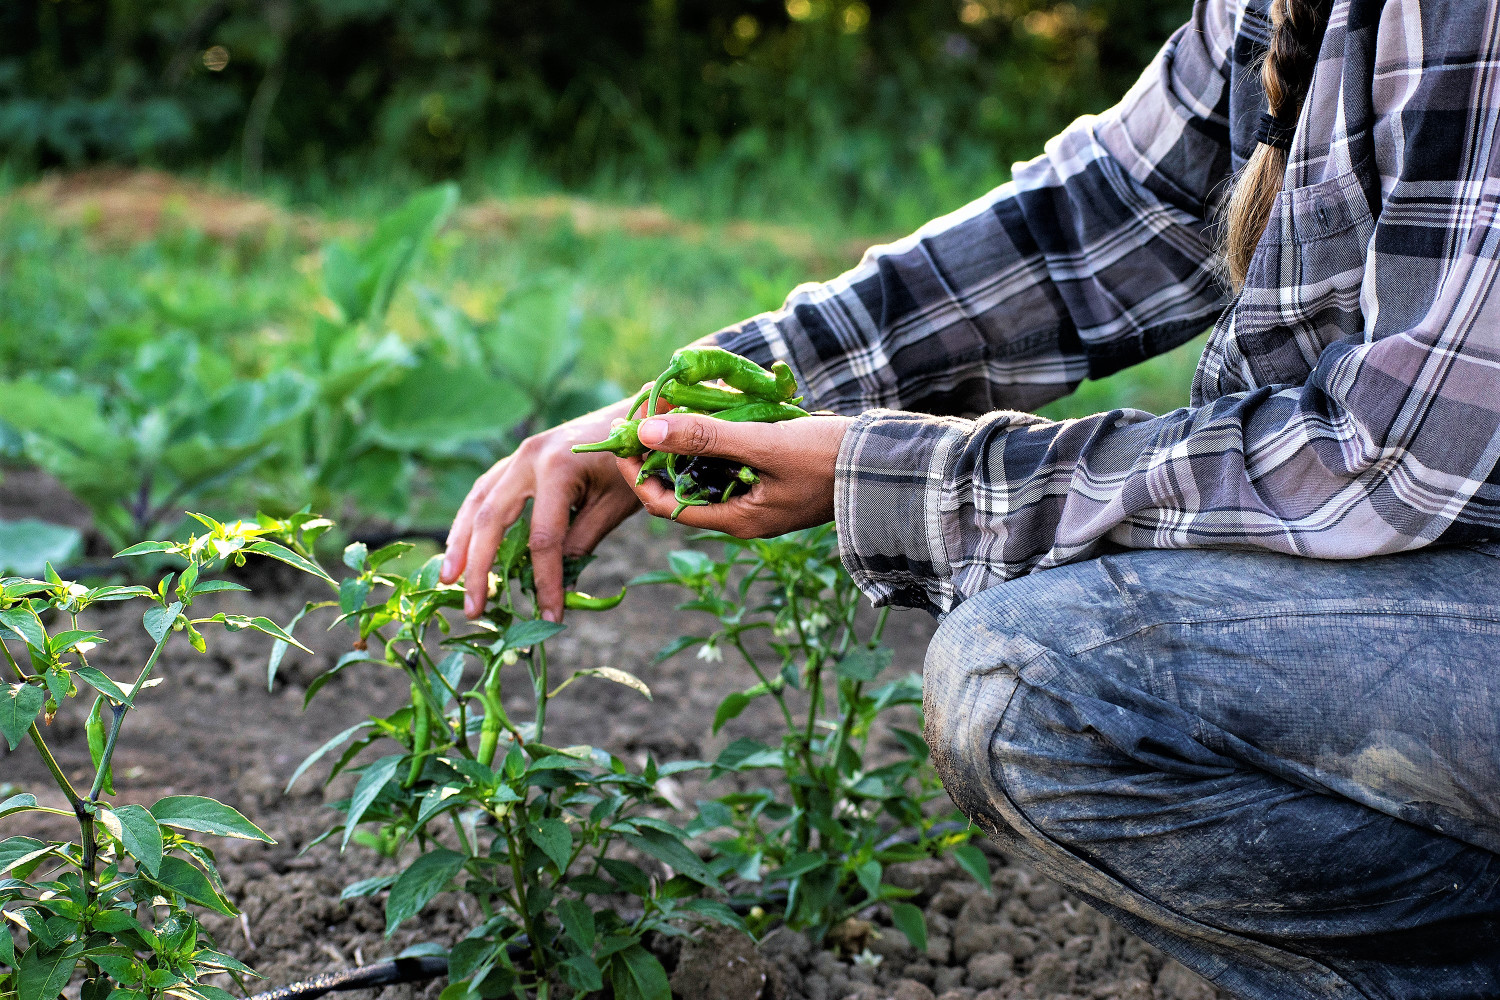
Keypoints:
pixel 387 973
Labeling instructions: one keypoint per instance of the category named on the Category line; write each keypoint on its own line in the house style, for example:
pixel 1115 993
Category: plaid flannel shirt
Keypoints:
pixel 1347 403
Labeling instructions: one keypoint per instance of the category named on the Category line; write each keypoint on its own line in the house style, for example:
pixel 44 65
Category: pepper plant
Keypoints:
pixel 120 900
pixel 811 847
pixel 549 841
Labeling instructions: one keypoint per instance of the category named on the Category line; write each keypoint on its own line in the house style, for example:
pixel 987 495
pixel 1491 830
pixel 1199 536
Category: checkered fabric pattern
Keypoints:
pixel 1348 401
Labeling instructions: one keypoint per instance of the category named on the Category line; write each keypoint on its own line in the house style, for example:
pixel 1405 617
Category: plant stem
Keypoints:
pixel 119 720
pixel 540 681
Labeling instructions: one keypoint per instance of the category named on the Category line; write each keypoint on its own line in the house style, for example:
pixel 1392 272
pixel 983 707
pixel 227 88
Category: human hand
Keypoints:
pixel 795 460
pixel 559 483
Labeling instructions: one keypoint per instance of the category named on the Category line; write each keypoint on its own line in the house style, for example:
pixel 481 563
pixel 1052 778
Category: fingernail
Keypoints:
pixel 469 609
pixel 549 616
pixel 447 565
pixel 652 431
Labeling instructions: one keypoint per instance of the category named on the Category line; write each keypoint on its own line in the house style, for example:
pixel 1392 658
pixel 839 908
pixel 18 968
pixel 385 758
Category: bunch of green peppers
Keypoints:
pixel 749 393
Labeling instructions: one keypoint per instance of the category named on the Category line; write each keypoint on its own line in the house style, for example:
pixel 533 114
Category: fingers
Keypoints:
pixel 596 520
pixel 549 525
pixel 463 524
pixel 690 434
pixel 497 512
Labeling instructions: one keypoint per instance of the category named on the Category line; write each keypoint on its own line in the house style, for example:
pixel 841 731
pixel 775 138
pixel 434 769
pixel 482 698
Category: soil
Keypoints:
pixel 213 728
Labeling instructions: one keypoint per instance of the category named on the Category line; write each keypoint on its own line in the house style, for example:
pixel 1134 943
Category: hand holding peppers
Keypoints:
pixel 794 463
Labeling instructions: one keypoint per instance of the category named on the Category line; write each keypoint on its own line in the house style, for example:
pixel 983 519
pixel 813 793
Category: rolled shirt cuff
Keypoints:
pixel 890 495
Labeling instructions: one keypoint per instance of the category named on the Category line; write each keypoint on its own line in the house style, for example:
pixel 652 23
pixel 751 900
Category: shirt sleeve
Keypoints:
pixel 1092 258
pixel 1390 445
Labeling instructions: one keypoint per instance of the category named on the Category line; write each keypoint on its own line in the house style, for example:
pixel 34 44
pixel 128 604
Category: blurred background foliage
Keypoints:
pixel 883 111
pixel 262 253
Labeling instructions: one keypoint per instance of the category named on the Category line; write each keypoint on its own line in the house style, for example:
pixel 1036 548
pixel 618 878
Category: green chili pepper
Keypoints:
pixel 655 462
pixel 761 413
pixel 623 441
pixel 747 475
pixel 490 726
pixel 584 602
pixel 692 365
pixel 421 734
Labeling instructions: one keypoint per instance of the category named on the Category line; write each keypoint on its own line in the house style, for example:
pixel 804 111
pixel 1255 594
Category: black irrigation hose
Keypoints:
pixel 387 973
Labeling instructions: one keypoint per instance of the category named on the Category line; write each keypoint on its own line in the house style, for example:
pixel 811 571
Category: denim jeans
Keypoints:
pixel 1283 772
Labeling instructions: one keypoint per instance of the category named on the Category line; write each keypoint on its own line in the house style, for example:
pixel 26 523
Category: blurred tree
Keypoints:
pixel 865 94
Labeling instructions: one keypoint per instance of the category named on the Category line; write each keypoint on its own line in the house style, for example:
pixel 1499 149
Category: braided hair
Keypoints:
pixel 1296 35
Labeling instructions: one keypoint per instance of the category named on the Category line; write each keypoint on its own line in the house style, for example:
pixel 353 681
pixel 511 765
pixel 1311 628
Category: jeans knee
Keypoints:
pixel 970 673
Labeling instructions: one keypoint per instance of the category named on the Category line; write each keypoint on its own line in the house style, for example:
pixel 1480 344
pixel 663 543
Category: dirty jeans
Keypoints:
pixel 1283 772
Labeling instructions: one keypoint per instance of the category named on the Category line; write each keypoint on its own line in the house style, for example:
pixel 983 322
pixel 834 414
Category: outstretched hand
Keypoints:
pixel 576 501
pixel 795 460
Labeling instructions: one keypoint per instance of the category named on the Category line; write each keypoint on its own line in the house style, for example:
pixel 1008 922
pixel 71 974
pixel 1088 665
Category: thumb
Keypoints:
pixel 691 434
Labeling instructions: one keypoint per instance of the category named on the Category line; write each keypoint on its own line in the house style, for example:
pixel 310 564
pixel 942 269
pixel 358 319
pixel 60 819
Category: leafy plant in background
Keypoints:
pixel 169 429
pixel 120 899
pixel 354 418
pixel 445 407
pixel 813 849
pixel 532 832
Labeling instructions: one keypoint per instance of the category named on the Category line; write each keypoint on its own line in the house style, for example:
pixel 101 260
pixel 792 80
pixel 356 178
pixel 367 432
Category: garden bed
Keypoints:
pixel 1027 939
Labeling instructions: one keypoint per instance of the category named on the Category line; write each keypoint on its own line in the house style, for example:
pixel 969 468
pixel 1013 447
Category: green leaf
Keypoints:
pixel 554 838
pixel 19 707
pixel 374 778
pixel 386 553
pixel 29 545
pixel 972 860
pixel 99 681
pixel 270 628
pixel 13 849
pixel 17 803
pixel 676 646
pixel 7 947
pixel 670 850
pixel 352 593
pixel 583 972
pixel 799 864
pixel 218 587
pixel 423 879
pixel 145 549
pixel 42 975
pixel 862 664
pixel 204 815
pixel 577 919
pixel 355 555
pixel 909 921
pixel 367 887
pixel 531 631
pixel 437 407
pixel 730 708
pixel 23 622
pixel 637 975
pixel 281 553
pixel 629 876
pixel 279 648
pixel 317 754
pixel 688 563
pixel 158 620
pixel 190 883
pixel 717 911
pixel 744 754
pixel 141 836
